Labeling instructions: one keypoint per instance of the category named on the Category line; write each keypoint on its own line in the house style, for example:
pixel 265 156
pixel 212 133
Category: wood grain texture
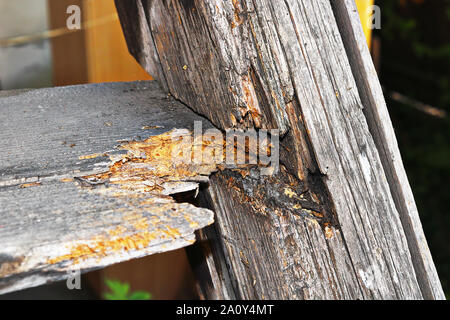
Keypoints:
pixel 276 244
pixel 53 218
pixel 283 64
pixel 377 115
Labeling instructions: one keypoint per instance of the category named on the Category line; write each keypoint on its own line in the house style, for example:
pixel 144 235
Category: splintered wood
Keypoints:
pixel 150 166
pixel 98 202
pixel 175 161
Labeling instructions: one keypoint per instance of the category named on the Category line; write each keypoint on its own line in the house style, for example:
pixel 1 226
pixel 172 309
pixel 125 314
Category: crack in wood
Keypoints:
pixel 268 194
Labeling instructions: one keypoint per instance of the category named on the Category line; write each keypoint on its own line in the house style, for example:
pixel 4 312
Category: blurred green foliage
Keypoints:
pixel 416 46
pixel 121 291
pixel 415 60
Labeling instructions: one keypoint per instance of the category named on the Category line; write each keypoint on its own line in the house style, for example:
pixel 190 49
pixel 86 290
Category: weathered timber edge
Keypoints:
pixel 380 125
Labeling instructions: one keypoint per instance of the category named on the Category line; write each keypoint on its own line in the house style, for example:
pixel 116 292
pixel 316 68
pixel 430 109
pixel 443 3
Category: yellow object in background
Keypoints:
pixel 364 14
pixel 108 58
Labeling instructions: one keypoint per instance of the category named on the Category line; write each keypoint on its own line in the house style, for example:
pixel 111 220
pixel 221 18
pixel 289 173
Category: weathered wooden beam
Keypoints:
pixel 283 64
pixel 380 126
pixel 78 188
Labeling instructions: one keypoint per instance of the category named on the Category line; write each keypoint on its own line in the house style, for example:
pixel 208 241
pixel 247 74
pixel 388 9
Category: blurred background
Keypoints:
pixel 411 52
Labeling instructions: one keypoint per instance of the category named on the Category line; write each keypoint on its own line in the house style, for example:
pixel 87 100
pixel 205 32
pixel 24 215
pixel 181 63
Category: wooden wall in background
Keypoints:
pixel 108 58
pixel 98 53
pixel 166 276
pixel 68 51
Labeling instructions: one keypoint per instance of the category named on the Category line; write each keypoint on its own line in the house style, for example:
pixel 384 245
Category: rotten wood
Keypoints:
pixel 289 65
pixel 85 180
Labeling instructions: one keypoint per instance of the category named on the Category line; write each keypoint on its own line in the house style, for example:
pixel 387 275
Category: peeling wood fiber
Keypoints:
pixel 60 207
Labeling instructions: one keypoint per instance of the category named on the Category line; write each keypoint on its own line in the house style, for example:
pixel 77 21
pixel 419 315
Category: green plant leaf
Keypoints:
pixel 120 291
pixel 110 296
pixel 140 295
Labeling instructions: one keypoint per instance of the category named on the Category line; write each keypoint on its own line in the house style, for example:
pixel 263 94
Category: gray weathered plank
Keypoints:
pixel 45 132
pixel 57 212
pixel 268 64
